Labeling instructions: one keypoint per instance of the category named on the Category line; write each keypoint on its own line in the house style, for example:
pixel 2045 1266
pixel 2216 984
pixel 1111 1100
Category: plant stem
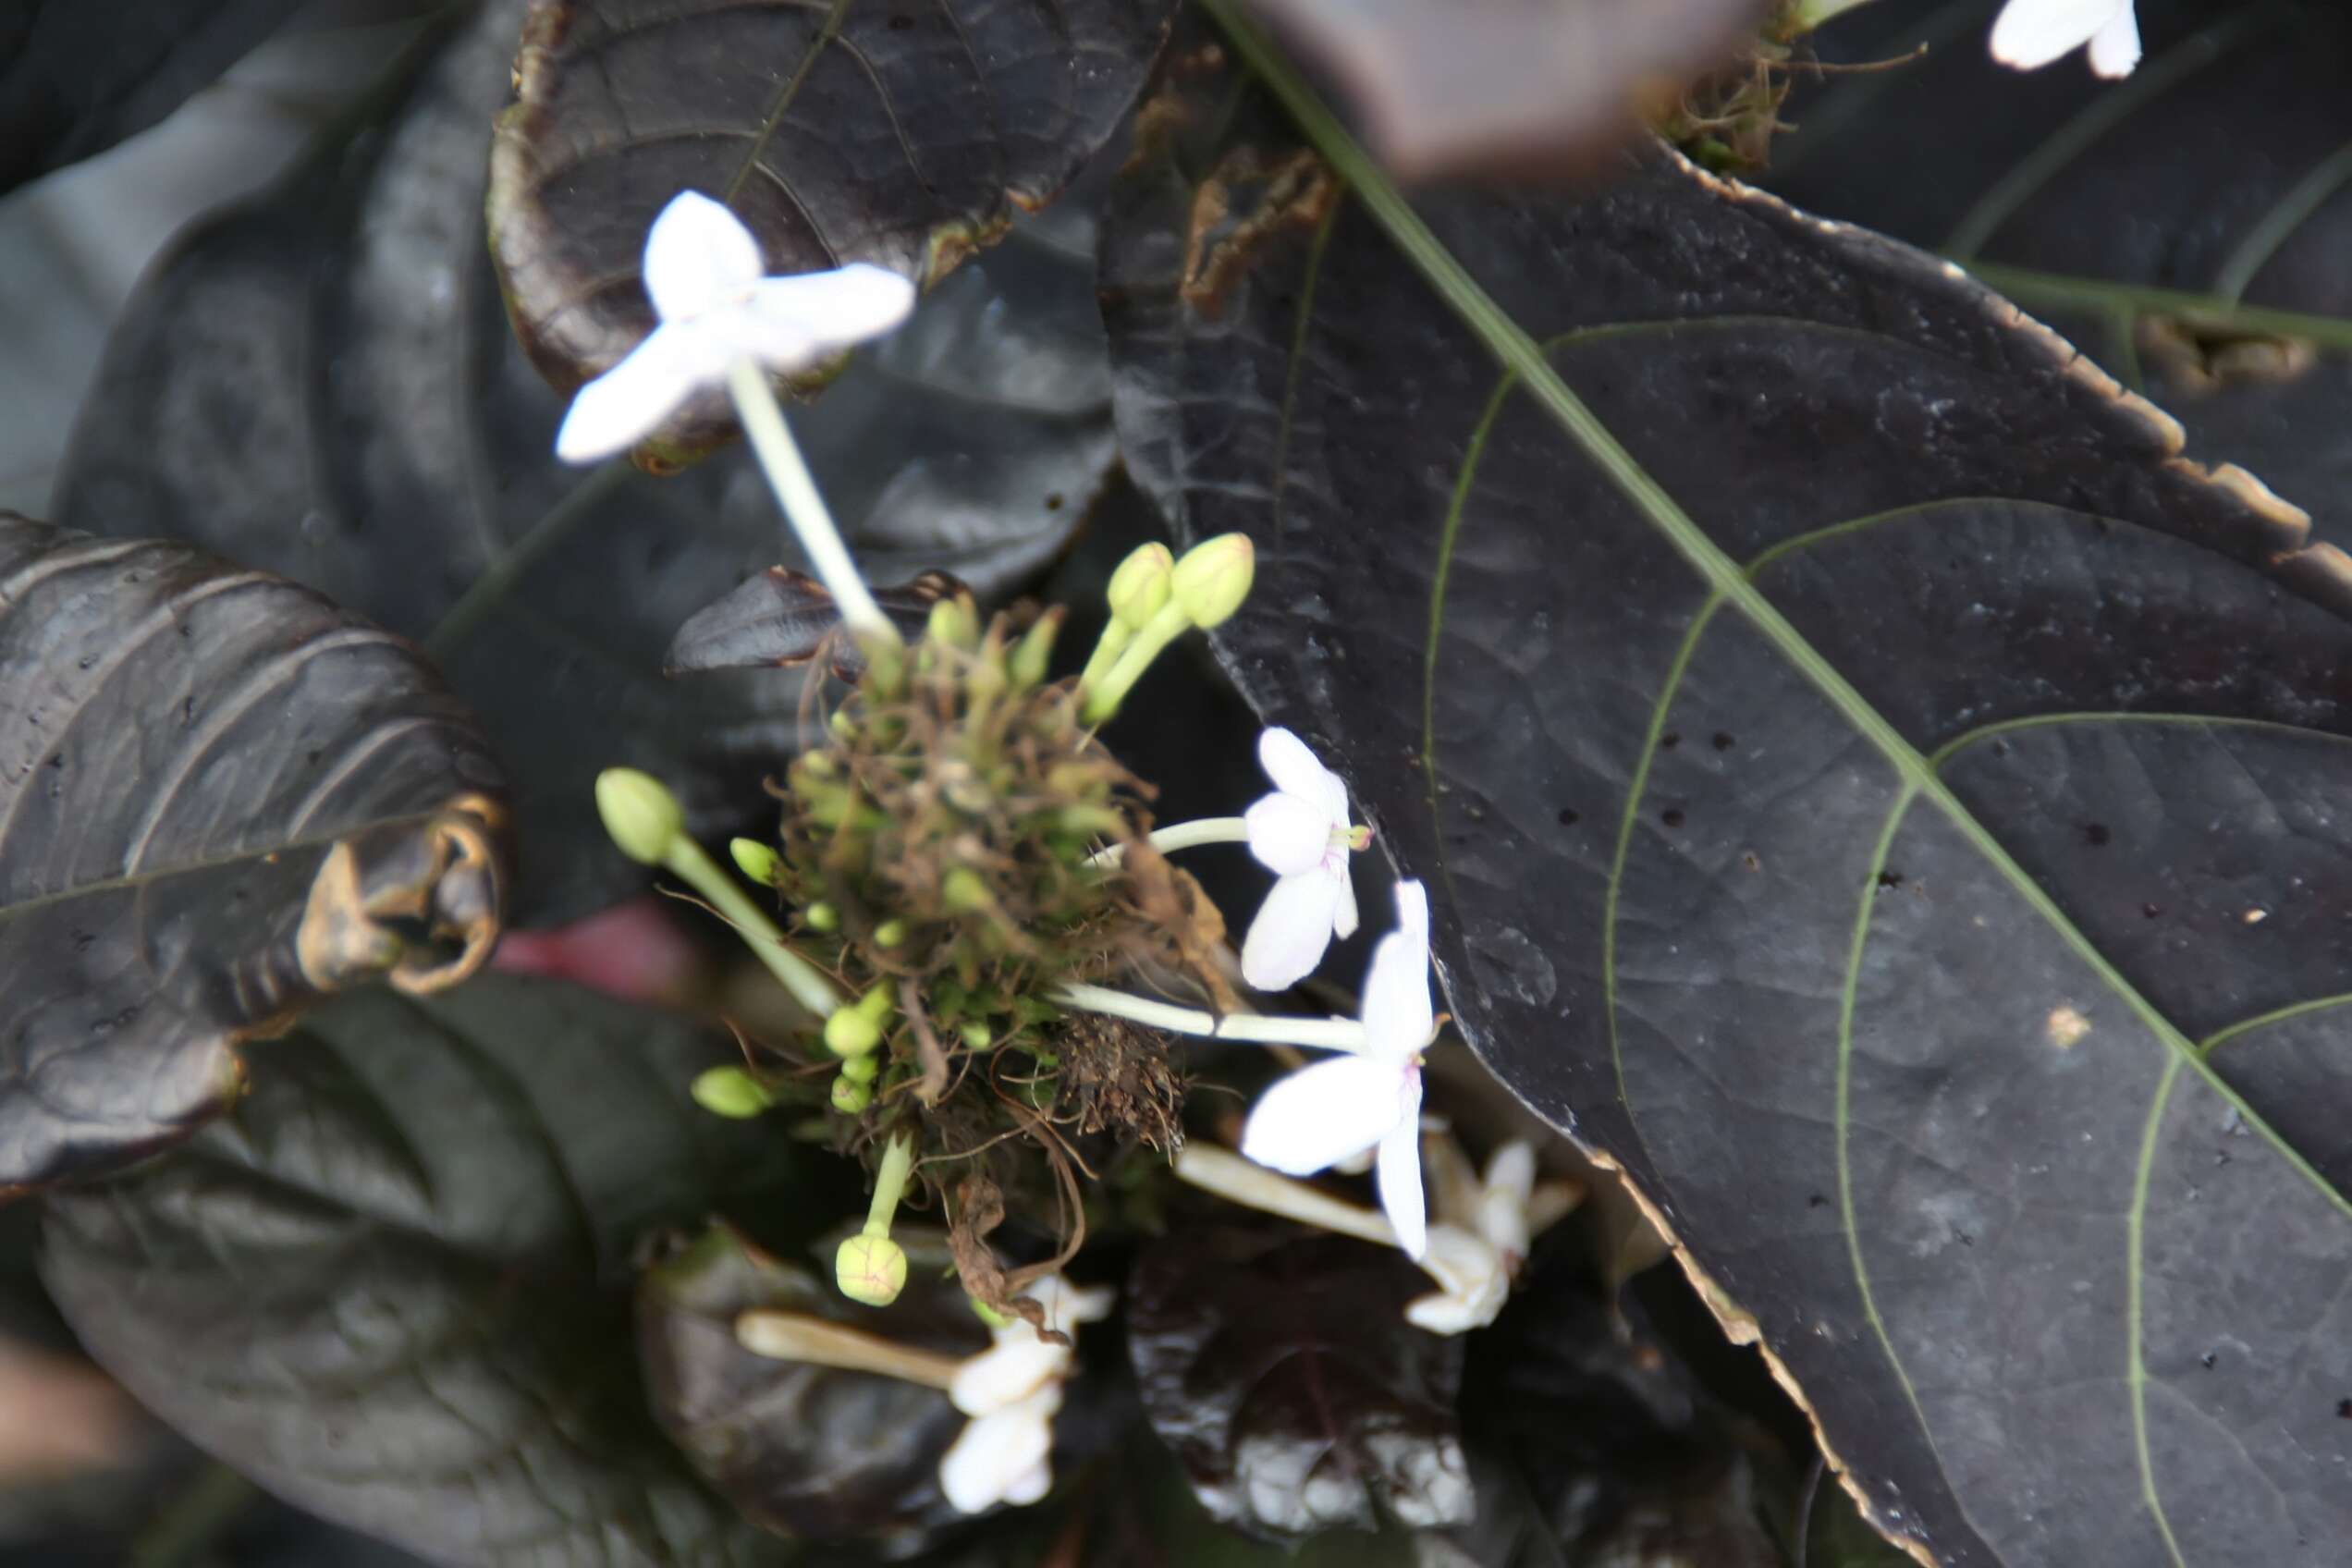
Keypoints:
pixel 889 1184
pixel 796 490
pixel 793 1336
pixel 807 982
pixel 1183 836
pixel 1244 1181
pixel 1325 1034
pixel 1103 699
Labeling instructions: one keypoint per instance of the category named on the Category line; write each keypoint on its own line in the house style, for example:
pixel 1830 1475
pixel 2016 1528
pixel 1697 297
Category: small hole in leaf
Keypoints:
pixel 1671 816
pixel 1817 1201
pixel 899 24
pixel 2343 1410
pixel 1723 741
pixel 1053 502
pixel 2095 834
pixel 1889 880
pixel 1669 741
pixel 1568 816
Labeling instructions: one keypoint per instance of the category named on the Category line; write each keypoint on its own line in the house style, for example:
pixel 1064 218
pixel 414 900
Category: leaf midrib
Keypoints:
pixel 1520 354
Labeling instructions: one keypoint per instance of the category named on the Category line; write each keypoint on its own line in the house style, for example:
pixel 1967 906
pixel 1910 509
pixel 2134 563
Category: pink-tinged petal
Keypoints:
pixel 1398 1017
pixel 1344 919
pixel 1311 1120
pixel 698 256
pixel 2114 49
pixel 2029 35
pixel 835 310
pixel 633 950
pixel 629 402
pixel 1288 835
pixel 1292 927
pixel 1296 771
pixel 1397 1174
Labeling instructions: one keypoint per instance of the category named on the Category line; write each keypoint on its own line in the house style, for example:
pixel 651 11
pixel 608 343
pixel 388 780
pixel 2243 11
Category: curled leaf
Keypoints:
pixel 221 799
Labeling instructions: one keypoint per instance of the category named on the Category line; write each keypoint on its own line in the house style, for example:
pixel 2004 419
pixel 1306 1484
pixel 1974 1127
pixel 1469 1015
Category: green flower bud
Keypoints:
pixel 850 1031
pixel 850 1097
pixel 877 1003
pixel 1141 585
pixel 870 1270
pixel 822 916
pixel 963 891
pixel 643 817
pixel 976 1035
pixel 1213 579
pixel 890 934
pixel 1034 651
pixel 954 623
pixel 862 1069
pixel 731 1091
pixel 754 860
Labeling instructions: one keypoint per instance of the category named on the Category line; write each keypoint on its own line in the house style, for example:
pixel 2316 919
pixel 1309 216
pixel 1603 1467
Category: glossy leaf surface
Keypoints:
pixel 901 135
pixel 807 1451
pixel 1860 766
pixel 323 384
pixel 221 799
pixel 2186 226
pixel 394 1288
pixel 1277 1362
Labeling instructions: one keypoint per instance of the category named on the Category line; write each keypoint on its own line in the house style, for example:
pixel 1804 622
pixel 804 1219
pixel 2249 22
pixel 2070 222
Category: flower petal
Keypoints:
pixel 1397 1174
pixel 838 309
pixel 2029 35
pixel 627 402
pixel 1296 771
pixel 1030 1486
pixel 1399 1018
pixel 698 256
pixel 993 1456
pixel 1311 1120
pixel 1502 1206
pixel 1008 1372
pixel 1287 833
pixel 1344 919
pixel 1067 1305
pixel 1292 927
pixel 2114 49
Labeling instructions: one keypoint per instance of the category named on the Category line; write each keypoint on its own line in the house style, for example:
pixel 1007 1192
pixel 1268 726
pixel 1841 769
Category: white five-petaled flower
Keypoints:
pixel 1301 833
pixel 702 270
pixel 1482 1236
pixel 1011 1390
pixel 1371 1096
pixel 2030 33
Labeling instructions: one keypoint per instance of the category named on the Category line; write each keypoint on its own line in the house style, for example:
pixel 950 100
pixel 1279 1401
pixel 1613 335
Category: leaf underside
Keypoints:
pixel 221 799
pixel 1854 800
pixel 897 134
pixel 394 1289
pixel 323 384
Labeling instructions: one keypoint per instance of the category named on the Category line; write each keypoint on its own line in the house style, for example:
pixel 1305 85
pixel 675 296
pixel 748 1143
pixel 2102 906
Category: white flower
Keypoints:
pixel 2031 33
pixel 1011 1390
pixel 703 271
pixel 1320 1115
pixel 1478 1247
pixel 1301 833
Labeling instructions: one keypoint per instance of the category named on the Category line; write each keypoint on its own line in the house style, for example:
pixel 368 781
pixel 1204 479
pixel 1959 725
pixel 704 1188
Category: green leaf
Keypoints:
pixel 221 799
pixel 324 383
pixel 902 135
pixel 1856 759
pixel 2186 226
pixel 394 1289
